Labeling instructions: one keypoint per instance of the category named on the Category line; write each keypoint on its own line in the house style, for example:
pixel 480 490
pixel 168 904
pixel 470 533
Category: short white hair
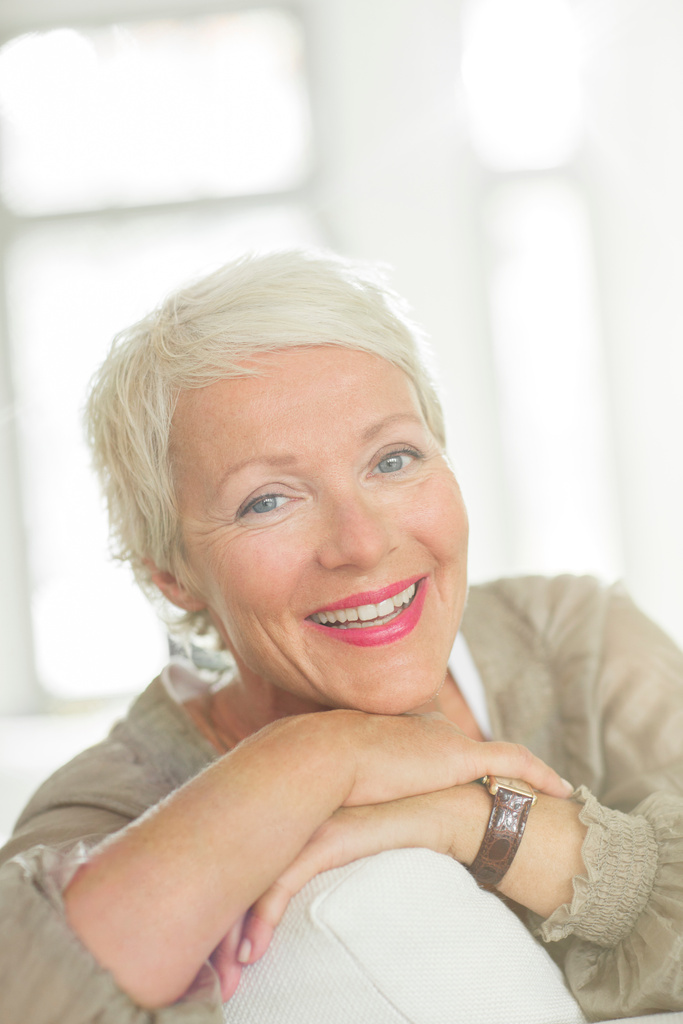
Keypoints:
pixel 203 333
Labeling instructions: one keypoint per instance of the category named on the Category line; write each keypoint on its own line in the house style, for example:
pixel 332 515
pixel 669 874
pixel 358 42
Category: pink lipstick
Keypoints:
pixel 371 596
pixel 384 633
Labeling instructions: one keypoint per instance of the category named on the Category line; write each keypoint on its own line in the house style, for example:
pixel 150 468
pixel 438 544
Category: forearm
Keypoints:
pixel 154 901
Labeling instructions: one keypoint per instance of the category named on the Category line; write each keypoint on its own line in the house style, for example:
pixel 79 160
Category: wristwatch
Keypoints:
pixel 512 801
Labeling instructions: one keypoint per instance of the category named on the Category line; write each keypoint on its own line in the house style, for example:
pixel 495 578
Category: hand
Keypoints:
pixel 423 753
pixel 449 821
pixel 349 834
pixel 399 756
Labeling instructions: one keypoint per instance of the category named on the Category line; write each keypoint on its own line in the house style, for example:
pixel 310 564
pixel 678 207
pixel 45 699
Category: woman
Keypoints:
pixel 272 453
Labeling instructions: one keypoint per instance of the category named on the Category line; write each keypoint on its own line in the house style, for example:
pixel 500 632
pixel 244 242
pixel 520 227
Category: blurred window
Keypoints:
pixel 521 69
pixel 155 112
pixel 134 157
pixel 521 75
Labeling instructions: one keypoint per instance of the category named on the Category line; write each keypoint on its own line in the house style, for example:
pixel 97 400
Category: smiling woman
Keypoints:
pixel 272 452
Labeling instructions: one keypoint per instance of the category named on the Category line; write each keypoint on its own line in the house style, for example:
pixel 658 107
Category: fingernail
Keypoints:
pixel 568 785
pixel 244 952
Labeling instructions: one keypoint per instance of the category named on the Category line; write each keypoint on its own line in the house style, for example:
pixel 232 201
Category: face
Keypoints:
pixel 324 530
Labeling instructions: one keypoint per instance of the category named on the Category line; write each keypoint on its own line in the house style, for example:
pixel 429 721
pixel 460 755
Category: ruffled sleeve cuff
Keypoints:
pixel 620 855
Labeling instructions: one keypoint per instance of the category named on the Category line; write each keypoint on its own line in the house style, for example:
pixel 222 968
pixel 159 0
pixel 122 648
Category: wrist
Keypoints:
pixel 512 801
pixel 331 741
pixel 467 822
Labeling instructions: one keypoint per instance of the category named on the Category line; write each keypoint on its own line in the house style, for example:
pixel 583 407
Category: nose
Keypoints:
pixel 356 533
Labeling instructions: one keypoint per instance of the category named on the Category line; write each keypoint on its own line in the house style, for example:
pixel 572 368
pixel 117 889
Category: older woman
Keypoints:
pixel 272 453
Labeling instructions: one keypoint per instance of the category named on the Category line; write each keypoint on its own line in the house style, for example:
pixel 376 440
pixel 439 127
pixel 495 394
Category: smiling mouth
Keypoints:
pixel 367 615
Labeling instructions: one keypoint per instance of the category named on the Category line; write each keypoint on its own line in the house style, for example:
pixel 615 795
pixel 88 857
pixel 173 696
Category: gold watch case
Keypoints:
pixel 495 782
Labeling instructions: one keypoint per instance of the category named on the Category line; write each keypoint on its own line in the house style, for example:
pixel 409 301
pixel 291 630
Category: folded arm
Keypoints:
pixel 180 879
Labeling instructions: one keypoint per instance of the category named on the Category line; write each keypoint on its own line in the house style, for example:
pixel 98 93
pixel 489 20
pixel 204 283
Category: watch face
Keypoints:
pixel 496 782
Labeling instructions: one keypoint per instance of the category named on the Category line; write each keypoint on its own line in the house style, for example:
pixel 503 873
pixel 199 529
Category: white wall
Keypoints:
pixel 634 170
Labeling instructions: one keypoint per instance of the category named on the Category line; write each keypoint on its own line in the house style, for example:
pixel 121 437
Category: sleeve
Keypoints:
pixel 620 940
pixel 46 974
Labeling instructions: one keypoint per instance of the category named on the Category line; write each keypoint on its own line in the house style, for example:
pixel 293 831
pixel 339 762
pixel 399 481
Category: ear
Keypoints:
pixel 173 590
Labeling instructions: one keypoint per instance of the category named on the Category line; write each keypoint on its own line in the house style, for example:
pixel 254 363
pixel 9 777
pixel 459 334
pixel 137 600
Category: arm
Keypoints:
pixel 191 868
pixel 450 821
pixel 46 975
pixel 623 926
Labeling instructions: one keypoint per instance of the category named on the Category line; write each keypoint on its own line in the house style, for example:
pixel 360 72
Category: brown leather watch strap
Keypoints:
pixel 503 835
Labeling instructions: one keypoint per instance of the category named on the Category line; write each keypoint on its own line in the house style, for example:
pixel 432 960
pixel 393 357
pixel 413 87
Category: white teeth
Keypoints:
pixel 348 618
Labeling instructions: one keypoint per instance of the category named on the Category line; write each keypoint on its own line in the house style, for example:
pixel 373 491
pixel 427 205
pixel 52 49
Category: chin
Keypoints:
pixel 397 704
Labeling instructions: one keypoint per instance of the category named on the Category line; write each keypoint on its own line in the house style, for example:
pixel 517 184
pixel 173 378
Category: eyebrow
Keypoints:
pixel 282 459
pixel 377 428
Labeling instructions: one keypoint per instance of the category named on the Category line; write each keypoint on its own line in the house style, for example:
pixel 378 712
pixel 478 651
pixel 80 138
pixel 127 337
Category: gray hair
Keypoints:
pixel 203 333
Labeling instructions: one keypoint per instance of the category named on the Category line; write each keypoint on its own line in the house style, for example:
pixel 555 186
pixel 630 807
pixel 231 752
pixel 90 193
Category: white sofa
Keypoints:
pixel 405 937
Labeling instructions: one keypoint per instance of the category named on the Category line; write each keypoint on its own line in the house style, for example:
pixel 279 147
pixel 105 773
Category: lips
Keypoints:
pixel 355 617
pixel 372 623
pixel 370 596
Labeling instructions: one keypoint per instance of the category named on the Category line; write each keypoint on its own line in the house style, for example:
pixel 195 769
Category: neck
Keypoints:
pixel 248 704
pixel 244 707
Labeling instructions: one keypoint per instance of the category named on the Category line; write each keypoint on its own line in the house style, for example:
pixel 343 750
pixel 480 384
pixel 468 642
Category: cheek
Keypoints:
pixel 438 519
pixel 256 579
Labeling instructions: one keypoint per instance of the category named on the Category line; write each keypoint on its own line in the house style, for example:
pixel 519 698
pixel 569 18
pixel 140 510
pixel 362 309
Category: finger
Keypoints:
pixel 267 912
pixel 351 833
pixel 516 761
pixel 224 960
pixel 321 853
pixel 406 756
pixel 257 936
pixel 269 909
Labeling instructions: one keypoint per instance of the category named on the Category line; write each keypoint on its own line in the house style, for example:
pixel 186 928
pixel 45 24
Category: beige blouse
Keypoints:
pixel 571 669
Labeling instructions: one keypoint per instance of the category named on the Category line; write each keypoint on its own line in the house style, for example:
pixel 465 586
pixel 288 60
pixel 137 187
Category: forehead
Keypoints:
pixel 290 395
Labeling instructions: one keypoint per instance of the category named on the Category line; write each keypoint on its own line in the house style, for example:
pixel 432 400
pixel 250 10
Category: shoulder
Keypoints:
pixel 147 755
pixel 544 616
pixel 542 603
pixel 538 642
pixel 560 614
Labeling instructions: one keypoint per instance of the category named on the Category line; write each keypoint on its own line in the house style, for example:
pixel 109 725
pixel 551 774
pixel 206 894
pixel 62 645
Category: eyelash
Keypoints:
pixel 256 501
pixel 412 452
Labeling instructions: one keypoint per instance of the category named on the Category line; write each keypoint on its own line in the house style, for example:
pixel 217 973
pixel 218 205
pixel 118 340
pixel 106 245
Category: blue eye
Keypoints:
pixel 268 503
pixel 395 462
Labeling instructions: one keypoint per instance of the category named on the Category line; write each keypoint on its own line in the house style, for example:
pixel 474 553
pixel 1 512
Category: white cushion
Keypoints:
pixel 406 935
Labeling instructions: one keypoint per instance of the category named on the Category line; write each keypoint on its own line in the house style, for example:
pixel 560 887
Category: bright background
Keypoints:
pixel 517 162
